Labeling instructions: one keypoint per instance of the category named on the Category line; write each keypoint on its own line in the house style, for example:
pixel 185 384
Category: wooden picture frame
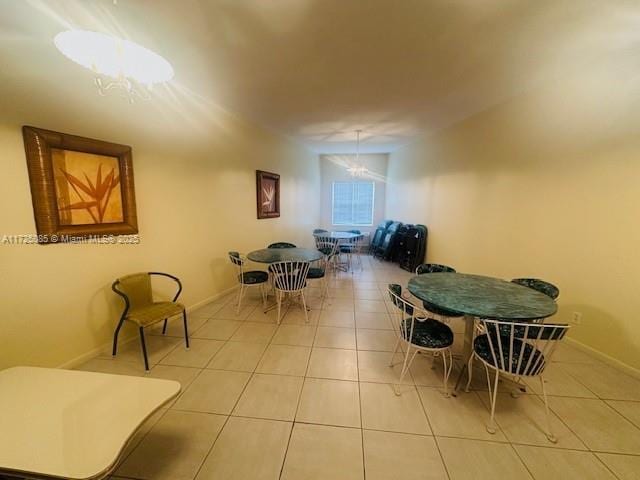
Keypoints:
pixel 80 187
pixel 267 194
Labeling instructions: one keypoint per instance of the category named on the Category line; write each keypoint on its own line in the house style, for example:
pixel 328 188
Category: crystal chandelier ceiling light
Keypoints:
pixel 116 63
pixel 357 170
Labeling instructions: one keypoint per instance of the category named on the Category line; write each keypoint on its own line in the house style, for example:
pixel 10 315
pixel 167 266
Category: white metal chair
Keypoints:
pixel 419 333
pixel 318 270
pixel 252 278
pixel 351 248
pixel 517 350
pixel 329 247
pixel 290 278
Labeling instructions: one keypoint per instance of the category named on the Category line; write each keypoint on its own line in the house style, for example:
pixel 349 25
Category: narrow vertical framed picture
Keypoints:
pixel 267 194
pixel 80 187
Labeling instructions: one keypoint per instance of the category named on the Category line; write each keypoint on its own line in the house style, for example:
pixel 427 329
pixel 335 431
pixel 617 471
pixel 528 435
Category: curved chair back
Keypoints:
pixel 136 288
pixel 282 245
pixel 520 349
pixel 319 230
pixel 326 245
pixel 239 261
pixel 406 312
pixel 434 268
pixel 549 289
pixel 289 276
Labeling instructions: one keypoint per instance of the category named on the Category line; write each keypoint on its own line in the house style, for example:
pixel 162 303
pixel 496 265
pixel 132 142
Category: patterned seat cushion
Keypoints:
pixel 254 276
pixel 315 272
pixel 428 333
pixel 530 357
pixel 150 314
pixel 326 250
pixel 406 306
pixel 549 289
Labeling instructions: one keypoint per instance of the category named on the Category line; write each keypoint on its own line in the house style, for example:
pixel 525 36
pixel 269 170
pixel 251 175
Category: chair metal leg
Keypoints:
pixel 493 396
pixel 391 364
pixel 469 373
pixel 550 434
pixel 240 298
pixel 164 327
pixel 115 337
pixel 144 349
pixel 405 366
pixel 186 330
pixel 263 292
pixel 279 301
pixel 447 370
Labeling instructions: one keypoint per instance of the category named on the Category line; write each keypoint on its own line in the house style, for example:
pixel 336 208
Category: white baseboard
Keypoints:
pixel 106 347
pixel 615 363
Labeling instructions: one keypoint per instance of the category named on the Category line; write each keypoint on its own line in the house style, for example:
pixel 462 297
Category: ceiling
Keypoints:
pixel 314 70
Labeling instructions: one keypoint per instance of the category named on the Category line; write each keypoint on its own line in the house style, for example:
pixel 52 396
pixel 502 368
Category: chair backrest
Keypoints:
pixel 404 317
pixel 282 245
pixel 522 349
pixel 137 288
pixel 239 261
pixel 289 276
pixel 549 289
pixel 434 268
pixel 320 230
pixel 326 244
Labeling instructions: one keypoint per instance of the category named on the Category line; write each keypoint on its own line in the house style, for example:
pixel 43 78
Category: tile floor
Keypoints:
pixel 314 401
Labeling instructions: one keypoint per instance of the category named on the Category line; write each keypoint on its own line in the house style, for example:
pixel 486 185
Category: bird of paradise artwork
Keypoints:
pixel 87 188
pixel 268 194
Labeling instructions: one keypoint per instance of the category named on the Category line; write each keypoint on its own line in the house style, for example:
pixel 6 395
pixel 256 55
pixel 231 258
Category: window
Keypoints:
pixel 352 203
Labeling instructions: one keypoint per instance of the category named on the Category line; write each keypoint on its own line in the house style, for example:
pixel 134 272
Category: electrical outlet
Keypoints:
pixel 577 318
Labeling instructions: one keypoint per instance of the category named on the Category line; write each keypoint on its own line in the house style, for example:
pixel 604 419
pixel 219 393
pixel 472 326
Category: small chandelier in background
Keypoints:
pixel 117 64
pixel 357 170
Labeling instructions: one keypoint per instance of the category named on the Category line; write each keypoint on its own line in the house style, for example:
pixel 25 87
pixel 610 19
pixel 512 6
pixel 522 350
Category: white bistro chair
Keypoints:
pixel 329 247
pixel 290 278
pixel 252 278
pixel 417 333
pixel 517 350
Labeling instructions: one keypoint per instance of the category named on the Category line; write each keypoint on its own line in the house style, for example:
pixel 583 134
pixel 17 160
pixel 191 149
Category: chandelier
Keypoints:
pixel 117 64
pixel 357 170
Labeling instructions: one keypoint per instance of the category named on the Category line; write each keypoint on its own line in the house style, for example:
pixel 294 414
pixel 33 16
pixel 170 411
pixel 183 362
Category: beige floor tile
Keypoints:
pixel 379 321
pixel 523 420
pixel 372 306
pixel 337 319
pixel 183 375
pixel 207 311
pixel 362 284
pixel 629 410
pixel 368 294
pixel 605 381
pixel 174 448
pixel 243 357
pixel 217 329
pixel 423 373
pixel 555 464
pixel 301 335
pixel 392 456
pixel 377 340
pixel 566 353
pixel 254 332
pixel 230 311
pixel 259 315
pixel 330 402
pixel 598 425
pixel 295 316
pixel 284 360
pixel 337 292
pixel 625 467
pixel 113 365
pixel 200 352
pixel 141 432
pixel 382 409
pixel 157 348
pixel 559 383
pixel 247 448
pixel 461 416
pixel 477 460
pixel 374 367
pixel 333 363
pixel 270 396
pixel 319 452
pixel 335 337
pixel 175 326
pixel 338 304
pixel 213 391
pixel 315 303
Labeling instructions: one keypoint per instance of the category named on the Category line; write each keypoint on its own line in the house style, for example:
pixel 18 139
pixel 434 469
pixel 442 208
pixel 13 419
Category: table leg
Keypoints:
pixel 467 350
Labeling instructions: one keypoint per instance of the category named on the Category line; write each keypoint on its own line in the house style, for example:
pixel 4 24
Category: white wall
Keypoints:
pixel 334 169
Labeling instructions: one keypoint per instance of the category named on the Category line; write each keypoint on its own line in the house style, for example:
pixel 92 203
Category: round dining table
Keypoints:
pixel 339 235
pixel 477 296
pixel 271 255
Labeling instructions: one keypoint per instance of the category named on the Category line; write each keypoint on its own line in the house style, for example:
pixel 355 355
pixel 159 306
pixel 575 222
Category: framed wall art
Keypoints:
pixel 80 187
pixel 267 194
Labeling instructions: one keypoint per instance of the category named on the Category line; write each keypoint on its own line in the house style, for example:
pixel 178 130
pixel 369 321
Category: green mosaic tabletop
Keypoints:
pixel 271 255
pixel 480 296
